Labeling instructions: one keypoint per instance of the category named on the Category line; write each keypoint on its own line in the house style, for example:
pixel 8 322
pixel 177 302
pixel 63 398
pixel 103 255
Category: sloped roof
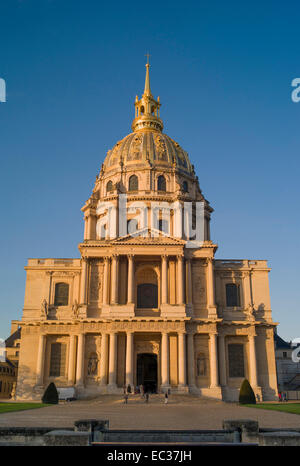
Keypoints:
pixel 13 337
pixel 280 343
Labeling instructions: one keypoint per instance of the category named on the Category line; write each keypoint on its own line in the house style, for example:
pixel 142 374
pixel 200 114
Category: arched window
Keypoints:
pixel 109 187
pixel 161 183
pixel 133 184
pixel 163 225
pixel 185 187
pixel 132 226
pixel 61 294
pixel 232 295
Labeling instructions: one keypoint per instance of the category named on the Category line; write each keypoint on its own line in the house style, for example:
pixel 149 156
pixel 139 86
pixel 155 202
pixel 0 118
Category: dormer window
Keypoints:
pixel 161 183
pixel 109 187
pixel 133 184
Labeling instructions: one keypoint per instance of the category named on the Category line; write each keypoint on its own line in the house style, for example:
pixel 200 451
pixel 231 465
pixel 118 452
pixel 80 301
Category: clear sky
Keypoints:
pixel 223 71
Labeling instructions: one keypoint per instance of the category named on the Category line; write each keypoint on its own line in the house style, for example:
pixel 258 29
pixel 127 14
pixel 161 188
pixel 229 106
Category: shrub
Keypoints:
pixel 247 394
pixel 51 394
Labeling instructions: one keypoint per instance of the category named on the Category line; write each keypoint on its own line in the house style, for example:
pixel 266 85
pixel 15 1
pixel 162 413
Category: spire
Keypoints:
pixel 147 108
pixel 147 90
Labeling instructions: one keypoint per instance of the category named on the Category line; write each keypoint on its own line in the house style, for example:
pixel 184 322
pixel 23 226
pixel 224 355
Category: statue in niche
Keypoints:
pixel 93 364
pixel 75 309
pixel 44 309
pixel 201 365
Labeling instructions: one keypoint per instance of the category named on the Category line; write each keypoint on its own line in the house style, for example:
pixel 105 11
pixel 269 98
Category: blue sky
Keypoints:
pixel 223 71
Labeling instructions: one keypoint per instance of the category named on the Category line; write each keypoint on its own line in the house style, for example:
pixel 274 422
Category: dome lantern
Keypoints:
pixel 147 109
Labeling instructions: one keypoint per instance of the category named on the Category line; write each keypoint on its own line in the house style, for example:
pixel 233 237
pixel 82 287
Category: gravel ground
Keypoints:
pixel 182 412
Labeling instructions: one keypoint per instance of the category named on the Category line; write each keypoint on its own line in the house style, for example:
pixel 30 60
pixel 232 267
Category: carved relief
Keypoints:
pixel 147 347
pixel 96 281
pixel 199 288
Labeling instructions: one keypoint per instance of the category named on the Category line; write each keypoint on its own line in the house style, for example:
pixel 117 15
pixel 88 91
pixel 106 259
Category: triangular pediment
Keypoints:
pixel 149 236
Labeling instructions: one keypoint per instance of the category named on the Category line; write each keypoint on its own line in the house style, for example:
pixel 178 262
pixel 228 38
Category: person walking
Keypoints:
pixel 125 398
pixel 279 396
pixel 147 397
pixel 166 398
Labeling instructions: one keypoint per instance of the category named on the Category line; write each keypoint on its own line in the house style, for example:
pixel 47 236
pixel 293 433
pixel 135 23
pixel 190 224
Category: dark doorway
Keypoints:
pixel 147 296
pixel 147 372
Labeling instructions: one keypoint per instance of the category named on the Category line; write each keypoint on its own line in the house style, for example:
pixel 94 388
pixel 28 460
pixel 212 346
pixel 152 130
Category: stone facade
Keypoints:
pixel 146 307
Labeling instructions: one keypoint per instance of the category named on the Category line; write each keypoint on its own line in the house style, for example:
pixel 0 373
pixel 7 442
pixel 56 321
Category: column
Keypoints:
pixel 91 226
pixel 222 361
pixel 210 283
pixel 129 359
pixel 83 280
pixel 180 280
pixel 103 359
pixel 49 274
pixel 80 360
pixel 191 359
pixel 105 282
pixel 213 360
pixel 130 291
pixel 252 362
pixel 165 360
pixel 40 360
pixel 112 371
pixel 181 360
pixel 189 281
pixel 164 279
pixel 114 280
pixel 71 362
pixel 85 235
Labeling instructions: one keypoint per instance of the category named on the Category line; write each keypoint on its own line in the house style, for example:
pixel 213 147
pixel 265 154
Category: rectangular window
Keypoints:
pixel 58 359
pixel 236 360
pixel 61 294
pixel 232 295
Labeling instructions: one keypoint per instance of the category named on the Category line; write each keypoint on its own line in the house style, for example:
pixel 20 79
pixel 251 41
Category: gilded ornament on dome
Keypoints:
pixel 135 148
pixel 161 148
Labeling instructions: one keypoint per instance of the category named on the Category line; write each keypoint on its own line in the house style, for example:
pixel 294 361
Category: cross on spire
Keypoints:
pixel 147 55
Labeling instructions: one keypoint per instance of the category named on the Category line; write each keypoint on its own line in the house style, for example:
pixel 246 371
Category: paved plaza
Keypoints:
pixel 181 412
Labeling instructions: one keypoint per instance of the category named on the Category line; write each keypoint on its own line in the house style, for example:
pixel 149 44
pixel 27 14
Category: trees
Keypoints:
pixel 247 395
pixel 51 395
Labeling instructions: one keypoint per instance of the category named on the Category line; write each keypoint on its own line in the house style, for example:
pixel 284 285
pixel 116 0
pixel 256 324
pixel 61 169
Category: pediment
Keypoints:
pixel 149 236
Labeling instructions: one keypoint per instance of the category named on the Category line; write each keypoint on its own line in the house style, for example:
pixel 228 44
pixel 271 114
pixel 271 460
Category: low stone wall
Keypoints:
pixel 166 436
pixel 96 432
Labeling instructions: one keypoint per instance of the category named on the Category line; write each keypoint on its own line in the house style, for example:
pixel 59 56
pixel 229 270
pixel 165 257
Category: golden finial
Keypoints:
pixel 147 90
pixel 147 108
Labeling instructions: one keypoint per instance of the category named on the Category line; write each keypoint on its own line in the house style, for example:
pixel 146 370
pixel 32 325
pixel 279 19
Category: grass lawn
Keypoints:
pixel 8 407
pixel 293 408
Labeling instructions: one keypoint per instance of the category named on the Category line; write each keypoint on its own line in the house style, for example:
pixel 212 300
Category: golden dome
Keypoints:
pixel 150 148
pixel 147 144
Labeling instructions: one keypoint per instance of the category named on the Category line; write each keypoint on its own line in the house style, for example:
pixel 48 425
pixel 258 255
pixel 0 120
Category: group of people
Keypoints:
pixel 282 396
pixel 144 394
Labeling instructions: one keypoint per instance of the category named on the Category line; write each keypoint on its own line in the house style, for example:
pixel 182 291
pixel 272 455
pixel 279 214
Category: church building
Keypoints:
pixel 144 304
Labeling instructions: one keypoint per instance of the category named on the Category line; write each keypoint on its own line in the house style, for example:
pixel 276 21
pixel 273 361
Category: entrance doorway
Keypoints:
pixel 147 372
